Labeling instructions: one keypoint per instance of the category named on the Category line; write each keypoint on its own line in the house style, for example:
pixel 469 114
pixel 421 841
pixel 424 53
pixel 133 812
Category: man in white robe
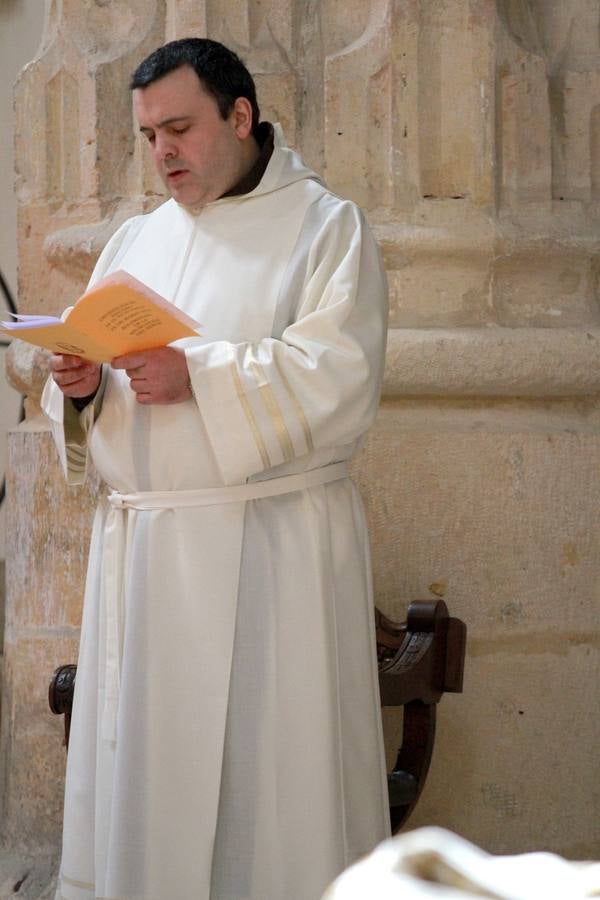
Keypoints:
pixel 226 738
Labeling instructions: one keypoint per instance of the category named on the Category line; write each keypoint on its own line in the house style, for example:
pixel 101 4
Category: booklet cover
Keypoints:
pixel 118 315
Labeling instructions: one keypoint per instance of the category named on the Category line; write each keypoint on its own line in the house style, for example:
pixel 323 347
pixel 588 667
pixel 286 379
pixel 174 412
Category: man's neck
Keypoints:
pixel 257 154
pixel 250 153
pixel 261 154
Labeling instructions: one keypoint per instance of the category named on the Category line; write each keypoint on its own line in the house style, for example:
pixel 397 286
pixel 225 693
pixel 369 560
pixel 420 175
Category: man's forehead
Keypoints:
pixel 176 95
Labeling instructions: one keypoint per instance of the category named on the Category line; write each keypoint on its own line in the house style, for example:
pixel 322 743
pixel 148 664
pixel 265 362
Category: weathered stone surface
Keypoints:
pixel 494 504
pixel 47 536
pixel 491 506
pixel 33 875
pixel 523 774
pixel 459 362
pixel 33 759
pixel 27 367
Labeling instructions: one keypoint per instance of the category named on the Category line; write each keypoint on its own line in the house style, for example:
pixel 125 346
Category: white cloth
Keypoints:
pixel 434 864
pixel 233 751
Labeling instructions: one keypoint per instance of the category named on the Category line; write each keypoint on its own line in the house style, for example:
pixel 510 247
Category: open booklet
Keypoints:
pixel 118 315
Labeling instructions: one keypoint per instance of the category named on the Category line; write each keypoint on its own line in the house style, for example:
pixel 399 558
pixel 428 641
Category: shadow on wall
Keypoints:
pixel 9 302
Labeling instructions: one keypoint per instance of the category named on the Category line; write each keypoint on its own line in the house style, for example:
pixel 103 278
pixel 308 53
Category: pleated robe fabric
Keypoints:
pixel 226 739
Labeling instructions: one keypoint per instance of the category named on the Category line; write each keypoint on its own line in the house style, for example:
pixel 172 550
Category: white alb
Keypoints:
pixel 226 739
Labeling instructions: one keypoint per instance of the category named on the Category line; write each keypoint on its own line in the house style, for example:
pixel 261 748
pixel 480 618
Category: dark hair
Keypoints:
pixel 219 69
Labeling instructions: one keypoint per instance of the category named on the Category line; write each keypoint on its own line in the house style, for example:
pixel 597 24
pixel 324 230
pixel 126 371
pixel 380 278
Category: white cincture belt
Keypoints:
pixel 114 542
pixel 235 493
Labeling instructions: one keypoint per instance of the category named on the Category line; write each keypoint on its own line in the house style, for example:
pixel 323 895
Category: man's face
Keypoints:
pixel 197 153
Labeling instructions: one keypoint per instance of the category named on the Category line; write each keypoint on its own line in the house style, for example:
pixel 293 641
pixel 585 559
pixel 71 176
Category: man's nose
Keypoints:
pixel 164 148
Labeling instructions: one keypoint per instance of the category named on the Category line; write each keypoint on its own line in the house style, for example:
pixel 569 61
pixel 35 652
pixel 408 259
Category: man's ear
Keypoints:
pixel 242 117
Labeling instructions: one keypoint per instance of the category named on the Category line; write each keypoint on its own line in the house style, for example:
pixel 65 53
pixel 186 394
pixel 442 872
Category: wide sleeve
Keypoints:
pixel 70 427
pixel 269 402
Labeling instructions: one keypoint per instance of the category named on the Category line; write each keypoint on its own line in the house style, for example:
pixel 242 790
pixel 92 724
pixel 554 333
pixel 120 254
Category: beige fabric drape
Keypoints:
pixel 434 864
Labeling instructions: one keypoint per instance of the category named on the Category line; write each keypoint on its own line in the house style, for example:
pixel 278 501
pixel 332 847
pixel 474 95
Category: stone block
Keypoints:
pixel 30 661
pixel 516 767
pixel 33 805
pixel 33 756
pixel 489 506
pixel 494 508
pixel 48 532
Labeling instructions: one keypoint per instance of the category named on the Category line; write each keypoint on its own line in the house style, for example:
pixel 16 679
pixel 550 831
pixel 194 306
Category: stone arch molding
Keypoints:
pixel 566 34
pixel 77 165
pixel 559 43
pixel 105 30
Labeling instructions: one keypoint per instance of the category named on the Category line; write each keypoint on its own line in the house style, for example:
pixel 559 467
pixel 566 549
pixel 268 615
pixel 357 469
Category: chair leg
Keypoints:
pixel 60 695
pixel 414 756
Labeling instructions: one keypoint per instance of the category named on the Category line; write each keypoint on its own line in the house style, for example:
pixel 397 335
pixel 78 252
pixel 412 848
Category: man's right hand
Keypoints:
pixel 76 377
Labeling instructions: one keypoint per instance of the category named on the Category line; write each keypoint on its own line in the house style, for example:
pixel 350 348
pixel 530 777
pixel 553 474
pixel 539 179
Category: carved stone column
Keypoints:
pixel 481 477
pixel 47 539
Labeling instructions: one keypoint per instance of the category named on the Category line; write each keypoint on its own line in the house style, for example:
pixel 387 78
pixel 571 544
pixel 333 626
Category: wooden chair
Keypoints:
pixel 418 661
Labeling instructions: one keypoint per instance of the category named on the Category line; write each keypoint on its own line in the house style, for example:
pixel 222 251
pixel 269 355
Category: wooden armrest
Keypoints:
pixel 60 695
pixel 418 661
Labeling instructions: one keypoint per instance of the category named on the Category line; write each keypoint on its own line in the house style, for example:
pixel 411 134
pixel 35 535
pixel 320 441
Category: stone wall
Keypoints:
pixel 20 32
pixel 470 133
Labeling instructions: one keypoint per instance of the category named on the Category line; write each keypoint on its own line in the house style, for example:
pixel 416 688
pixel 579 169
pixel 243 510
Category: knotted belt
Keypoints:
pixel 114 543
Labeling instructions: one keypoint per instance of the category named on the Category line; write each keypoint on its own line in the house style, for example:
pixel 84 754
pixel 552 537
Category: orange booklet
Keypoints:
pixel 118 315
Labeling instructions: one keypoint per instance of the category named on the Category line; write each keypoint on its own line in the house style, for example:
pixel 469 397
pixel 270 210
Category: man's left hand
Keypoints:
pixel 157 376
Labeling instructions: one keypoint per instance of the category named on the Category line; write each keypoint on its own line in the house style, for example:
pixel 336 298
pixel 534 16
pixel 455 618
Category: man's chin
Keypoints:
pixel 179 189
pixel 191 203
pixel 192 200
pixel 179 193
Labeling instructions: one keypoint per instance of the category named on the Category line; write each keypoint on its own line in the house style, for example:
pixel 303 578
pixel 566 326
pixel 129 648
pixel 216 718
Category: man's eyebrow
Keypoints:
pixel 165 122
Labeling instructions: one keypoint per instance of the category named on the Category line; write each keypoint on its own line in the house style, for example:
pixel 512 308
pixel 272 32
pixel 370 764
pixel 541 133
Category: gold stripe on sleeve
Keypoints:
pixel 274 410
pixel 84 885
pixel 264 455
pixel 298 410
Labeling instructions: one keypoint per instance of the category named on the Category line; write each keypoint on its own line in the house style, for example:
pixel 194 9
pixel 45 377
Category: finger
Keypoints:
pixel 138 385
pixel 128 361
pixel 67 377
pixel 133 373
pixel 80 368
pixel 82 388
pixel 61 361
